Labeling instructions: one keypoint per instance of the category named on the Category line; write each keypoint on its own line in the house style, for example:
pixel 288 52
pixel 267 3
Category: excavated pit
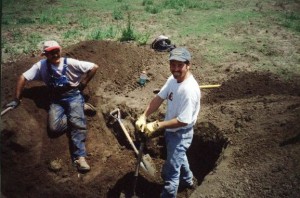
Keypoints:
pixel 253 117
pixel 204 155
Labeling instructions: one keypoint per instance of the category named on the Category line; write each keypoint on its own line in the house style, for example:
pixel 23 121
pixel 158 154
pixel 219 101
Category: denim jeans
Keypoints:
pixel 66 112
pixel 176 168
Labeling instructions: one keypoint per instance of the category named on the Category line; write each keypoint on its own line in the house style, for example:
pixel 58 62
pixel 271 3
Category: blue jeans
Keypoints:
pixel 176 167
pixel 66 112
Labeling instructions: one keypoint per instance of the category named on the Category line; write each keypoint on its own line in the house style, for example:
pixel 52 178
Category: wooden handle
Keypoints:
pixel 209 86
pixel 128 137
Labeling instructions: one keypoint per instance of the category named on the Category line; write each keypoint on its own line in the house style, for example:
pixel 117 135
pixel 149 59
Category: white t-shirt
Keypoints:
pixel 183 100
pixel 75 70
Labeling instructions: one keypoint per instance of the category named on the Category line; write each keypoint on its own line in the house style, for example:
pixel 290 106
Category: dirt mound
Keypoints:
pixel 246 140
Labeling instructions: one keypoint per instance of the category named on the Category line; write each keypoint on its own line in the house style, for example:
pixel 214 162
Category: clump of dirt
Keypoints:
pixel 246 140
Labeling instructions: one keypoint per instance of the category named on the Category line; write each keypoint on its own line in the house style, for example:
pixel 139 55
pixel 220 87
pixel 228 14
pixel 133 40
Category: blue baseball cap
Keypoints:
pixel 180 54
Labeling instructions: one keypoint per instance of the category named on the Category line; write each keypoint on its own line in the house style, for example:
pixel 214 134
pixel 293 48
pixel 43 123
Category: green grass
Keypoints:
pixel 291 20
pixel 221 30
pixel 102 34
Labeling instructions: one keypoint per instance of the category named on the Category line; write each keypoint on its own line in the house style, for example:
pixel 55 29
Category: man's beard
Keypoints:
pixel 176 74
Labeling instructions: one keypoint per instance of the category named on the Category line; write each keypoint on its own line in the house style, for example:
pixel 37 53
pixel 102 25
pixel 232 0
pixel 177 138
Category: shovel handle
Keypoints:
pixel 117 115
pixel 139 160
pixel 142 164
pixel 155 91
pixel 128 137
pixel 209 86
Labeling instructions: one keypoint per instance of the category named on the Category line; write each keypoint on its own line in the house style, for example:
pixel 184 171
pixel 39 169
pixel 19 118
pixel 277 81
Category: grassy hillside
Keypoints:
pixel 263 33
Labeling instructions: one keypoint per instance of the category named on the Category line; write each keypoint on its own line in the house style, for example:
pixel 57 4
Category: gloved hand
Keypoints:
pixel 151 128
pixel 13 103
pixel 81 86
pixel 141 123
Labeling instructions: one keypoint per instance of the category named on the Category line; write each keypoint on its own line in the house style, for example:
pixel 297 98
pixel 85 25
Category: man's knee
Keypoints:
pixel 57 127
pixel 78 123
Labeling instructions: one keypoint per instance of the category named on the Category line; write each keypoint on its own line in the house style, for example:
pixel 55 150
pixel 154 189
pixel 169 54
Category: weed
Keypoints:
pixel 174 4
pixel 47 19
pixel 142 39
pixel 117 14
pixel 85 22
pixel 152 9
pixel 3 42
pixel 71 34
pixel 147 2
pixel 292 16
pixel 17 35
pixel 12 50
pixel 98 34
pixel 207 5
pixel 291 20
pixel 34 38
pixel 201 5
pixel 110 32
pixel 25 20
pixel 179 10
pixel 125 6
pixel 128 33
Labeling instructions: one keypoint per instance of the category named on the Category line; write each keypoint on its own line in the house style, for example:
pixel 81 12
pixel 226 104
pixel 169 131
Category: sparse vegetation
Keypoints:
pixel 117 14
pixel 128 33
pixel 291 20
pixel 222 29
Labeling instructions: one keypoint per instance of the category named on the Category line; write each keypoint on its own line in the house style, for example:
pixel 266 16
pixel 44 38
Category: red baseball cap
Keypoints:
pixel 49 46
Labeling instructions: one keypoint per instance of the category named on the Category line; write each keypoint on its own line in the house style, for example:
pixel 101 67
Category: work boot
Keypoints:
pixel 89 109
pixel 193 185
pixel 81 164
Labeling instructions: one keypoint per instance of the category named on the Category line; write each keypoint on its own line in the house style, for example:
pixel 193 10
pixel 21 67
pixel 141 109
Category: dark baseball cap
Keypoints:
pixel 180 54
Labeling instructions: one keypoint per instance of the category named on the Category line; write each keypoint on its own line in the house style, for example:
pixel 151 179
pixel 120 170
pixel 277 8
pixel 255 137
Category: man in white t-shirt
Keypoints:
pixel 63 78
pixel 182 93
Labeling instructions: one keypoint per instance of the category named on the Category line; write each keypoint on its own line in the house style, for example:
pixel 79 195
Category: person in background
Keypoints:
pixel 182 93
pixel 63 76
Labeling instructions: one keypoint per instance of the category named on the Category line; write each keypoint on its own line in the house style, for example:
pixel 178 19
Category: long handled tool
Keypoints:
pixel 137 168
pixel 209 86
pixel 155 91
pixel 6 110
pixel 146 162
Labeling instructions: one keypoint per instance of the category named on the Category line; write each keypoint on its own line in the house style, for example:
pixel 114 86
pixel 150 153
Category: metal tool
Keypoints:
pixel 6 110
pixel 137 168
pixel 146 163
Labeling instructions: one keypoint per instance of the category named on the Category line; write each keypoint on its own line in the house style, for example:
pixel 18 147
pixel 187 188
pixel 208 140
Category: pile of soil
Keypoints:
pixel 246 142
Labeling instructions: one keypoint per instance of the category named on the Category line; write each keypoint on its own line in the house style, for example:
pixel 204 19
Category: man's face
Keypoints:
pixel 179 70
pixel 53 56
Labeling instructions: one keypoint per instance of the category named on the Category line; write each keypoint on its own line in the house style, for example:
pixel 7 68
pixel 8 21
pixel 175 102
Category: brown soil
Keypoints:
pixel 246 143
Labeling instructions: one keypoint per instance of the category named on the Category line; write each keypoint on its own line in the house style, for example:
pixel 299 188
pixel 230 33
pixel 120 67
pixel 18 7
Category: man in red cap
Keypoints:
pixel 63 76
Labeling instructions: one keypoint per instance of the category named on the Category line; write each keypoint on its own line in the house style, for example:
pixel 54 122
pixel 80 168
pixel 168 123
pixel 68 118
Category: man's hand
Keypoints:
pixel 81 86
pixel 151 128
pixel 13 103
pixel 140 124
